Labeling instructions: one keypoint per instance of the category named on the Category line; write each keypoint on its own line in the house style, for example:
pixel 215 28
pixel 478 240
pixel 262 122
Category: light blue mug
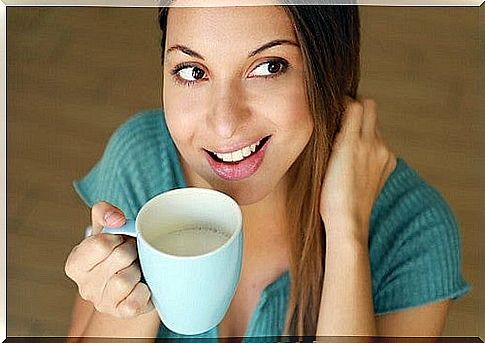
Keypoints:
pixel 190 244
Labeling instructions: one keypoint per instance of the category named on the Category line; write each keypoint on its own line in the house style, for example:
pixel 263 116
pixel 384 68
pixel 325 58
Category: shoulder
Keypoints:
pixel 141 128
pixel 409 213
pixel 414 244
pixel 145 157
pixel 407 200
pixel 142 146
pixel 139 162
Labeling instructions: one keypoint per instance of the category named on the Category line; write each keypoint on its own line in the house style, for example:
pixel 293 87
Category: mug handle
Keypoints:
pixel 129 229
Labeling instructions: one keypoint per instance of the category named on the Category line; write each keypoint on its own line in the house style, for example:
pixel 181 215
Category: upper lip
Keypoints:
pixel 234 146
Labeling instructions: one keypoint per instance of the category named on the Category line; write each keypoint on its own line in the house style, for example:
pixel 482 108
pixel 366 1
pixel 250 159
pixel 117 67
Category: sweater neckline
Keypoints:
pixel 276 285
pixel 281 281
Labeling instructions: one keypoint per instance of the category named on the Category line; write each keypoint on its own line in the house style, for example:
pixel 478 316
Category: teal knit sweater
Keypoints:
pixel 414 240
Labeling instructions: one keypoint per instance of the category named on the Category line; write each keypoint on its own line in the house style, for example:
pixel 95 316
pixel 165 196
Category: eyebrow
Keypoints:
pixel 263 47
pixel 185 50
pixel 271 44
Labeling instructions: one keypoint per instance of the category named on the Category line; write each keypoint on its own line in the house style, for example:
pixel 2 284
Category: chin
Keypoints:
pixel 244 193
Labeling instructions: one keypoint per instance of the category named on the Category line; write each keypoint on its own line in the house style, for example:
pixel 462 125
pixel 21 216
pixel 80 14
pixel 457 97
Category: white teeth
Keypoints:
pixel 246 151
pixel 226 157
pixel 238 155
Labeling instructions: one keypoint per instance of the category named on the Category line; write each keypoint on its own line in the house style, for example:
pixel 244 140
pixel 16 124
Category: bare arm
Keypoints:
pixel 347 309
pixel 346 306
pixel 105 325
pixel 427 320
pixel 359 165
pixel 87 322
pixel 81 315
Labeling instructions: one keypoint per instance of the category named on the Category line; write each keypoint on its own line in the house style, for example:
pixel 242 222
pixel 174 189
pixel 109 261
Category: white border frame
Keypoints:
pixel 215 3
pixel 153 3
pixel 3 170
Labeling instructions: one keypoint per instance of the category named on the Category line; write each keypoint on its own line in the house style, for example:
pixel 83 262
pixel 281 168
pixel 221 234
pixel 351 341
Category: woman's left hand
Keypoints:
pixel 359 165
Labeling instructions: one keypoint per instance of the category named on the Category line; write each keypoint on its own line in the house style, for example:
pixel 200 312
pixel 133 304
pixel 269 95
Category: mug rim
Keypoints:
pixel 185 190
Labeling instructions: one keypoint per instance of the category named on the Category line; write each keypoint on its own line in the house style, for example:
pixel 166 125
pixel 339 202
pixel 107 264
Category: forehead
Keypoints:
pixel 228 25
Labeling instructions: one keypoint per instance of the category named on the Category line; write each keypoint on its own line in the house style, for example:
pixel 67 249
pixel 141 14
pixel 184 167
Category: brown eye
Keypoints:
pixel 197 73
pixel 271 68
pixel 274 67
pixel 191 73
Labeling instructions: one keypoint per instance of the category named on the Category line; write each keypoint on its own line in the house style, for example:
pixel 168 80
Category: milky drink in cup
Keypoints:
pixel 190 244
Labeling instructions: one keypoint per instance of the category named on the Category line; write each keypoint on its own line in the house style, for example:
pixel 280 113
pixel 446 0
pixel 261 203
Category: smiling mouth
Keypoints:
pixel 239 155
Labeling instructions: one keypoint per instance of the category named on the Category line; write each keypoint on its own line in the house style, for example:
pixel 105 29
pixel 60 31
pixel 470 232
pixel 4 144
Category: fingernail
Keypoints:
pixel 113 218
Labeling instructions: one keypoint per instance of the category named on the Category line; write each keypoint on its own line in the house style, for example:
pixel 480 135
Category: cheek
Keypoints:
pixel 286 107
pixel 180 128
pixel 180 114
pixel 178 102
pixel 296 115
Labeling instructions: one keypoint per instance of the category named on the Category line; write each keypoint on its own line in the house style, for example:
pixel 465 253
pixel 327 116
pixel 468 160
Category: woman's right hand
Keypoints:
pixel 105 268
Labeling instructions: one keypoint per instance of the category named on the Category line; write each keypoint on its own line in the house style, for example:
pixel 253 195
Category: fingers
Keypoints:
pixel 97 279
pixel 360 118
pixel 352 118
pixel 104 214
pixel 136 303
pixel 121 257
pixel 107 274
pixel 90 252
pixel 369 123
pixel 118 287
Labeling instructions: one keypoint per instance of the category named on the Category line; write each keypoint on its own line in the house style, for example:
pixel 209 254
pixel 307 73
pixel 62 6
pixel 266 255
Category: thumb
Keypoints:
pixel 105 214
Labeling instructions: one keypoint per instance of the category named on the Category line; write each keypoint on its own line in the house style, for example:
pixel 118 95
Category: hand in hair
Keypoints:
pixel 359 165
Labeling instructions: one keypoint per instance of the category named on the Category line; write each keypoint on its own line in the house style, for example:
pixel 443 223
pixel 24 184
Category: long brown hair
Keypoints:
pixel 329 37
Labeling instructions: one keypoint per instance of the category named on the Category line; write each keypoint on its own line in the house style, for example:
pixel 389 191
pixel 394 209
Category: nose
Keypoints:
pixel 228 110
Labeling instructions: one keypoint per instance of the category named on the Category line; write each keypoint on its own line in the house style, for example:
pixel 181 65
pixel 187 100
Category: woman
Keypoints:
pixel 341 238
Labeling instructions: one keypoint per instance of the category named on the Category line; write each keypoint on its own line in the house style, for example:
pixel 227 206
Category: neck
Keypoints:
pixel 266 219
pixel 265 224
pixel 265 237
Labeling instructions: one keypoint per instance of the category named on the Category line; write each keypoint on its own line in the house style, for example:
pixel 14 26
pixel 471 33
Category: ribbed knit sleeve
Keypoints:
pixel 415 245
pixel 139 162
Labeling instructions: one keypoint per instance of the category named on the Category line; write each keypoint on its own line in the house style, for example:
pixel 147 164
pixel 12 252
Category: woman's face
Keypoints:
pixel 234 96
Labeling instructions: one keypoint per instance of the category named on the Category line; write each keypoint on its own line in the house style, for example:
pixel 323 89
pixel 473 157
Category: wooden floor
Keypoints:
pixel 75 74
